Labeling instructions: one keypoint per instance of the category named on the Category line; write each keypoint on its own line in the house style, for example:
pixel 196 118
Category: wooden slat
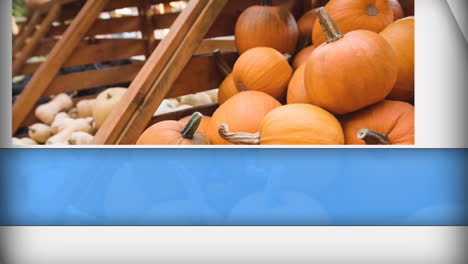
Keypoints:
pixel 104 50
pixel 26 31
pixel 146 24
pixel 209 45
pixel 118 4
pixel 58 56
pixel 92 79
pixel 30 43
pixel 206 110
pixel 122 24
pixel 154 81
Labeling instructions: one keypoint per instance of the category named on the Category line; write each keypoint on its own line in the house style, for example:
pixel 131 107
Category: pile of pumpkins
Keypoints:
pixel 64 123
pixel 341 74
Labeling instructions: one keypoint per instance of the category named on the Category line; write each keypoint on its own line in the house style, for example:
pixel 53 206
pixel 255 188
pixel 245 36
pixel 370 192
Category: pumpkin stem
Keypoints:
pixel 372 137
pixel 223 66
pixel 192 125
pixel 238 138
pixel 109 96
pixel 331 30
pixel 267 3
pixel 71 142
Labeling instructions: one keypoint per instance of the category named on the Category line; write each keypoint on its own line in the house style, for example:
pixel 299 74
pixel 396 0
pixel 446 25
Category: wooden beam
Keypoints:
pixel 104 50
pixel 30 43
pixel 154 81
pixel 146 25
pixel 26 31
pixel 58 56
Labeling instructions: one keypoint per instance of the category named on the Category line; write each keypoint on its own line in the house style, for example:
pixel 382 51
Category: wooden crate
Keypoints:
pixel 181 63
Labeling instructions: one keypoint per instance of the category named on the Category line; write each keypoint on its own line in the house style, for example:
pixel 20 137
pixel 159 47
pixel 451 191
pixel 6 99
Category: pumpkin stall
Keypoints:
pixel 226 72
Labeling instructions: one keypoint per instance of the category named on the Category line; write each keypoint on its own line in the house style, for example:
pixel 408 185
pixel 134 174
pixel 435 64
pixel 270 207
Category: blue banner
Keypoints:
pixel 233 187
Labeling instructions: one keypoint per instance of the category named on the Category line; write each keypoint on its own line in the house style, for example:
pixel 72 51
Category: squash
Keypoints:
pixel 350 71
pixel 204 123
pixel 23 141
pixel 58 123
pixel 243 112
pixel 262 69
pixel 46 112
pixel 196 99
pixel 297 93
pixel 213 94
pixel 306 24
pixel 73 113
pixel 385 123
pixel 167 106
pixel 80 138
pixel 182 107
pixel 398 12
pixel 174 133
pixel 106 101
pixel 69 126
pixel 400 35
pixel 302 57
pixel 40 132
pixel 373 15
pixel 85 107
pixel 266 26
pixel 294 124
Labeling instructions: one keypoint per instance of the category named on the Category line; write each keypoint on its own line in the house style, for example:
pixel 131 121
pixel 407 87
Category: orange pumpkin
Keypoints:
pixel 302 57
pixel 400 35
pixel 385 123
pixel 242 112
pixel 306 23
pixel 174 133
pixel 351 71
pixel 263 69
pixel 266 26
pixel 296 91
pixel 398 12
pixel 227 89
pixel 373 15
pixel 294 124
pixel 204 123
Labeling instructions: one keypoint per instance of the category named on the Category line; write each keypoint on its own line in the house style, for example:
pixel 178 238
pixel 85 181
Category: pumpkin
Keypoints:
pixel 105 103
pixel 213 94
pixel 297 93
pixel 58 123
pixel 46 112
pixel 227 89
pixel 294 124
pixel 350 71
pixel 266 26
pixel 262 69
pixel 302 57
pixel 306 23
pixel 166 106
pixel 242 112
pixel 373 15
pixel 400 35
pixel 204 123
pixel 398 12
pixel 174 133
pixel 23 141
pixel 385 123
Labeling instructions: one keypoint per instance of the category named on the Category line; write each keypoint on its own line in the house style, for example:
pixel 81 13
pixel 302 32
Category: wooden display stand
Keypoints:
pixel 181 63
